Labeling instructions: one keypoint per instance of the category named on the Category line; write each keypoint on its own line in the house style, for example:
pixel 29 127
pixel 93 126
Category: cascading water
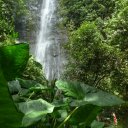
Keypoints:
pixel 47 50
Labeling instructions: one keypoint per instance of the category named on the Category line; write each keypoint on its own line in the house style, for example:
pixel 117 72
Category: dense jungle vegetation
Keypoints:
pixel 95 82
pixel 97 46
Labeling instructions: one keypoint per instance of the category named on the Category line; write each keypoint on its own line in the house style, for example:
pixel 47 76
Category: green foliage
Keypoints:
pixel 33 71
pixel 23 90
pixel 9 10
pixel 34 111
pixel 88 94
pixel 85 115
pixel 97 49
pixel 14 87
pixel 97 124
pixel 91 58
pixel 26 83
pixel 58 110
pixel 12 59
pixel 116 30
pixel 9 116
pixel 76 11
pixel 97 46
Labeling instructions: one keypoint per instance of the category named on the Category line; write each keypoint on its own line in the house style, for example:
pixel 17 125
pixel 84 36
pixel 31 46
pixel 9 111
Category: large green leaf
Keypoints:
pixel 32 85
pixel 9 116
pixel 34 110
pixel 88 94
pixel 27 83
pixel 96 124
pixel 14 87
pixel 85 115
pixel 102 98
pixel 12 62
pixel 73 89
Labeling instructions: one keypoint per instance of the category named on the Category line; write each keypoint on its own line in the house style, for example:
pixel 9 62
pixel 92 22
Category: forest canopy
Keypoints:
pixel 98 42
pixel 10 10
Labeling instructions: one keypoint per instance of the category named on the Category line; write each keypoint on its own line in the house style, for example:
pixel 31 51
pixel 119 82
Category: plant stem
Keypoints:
pixel 30 95
pixel 68 117
pixel 54 123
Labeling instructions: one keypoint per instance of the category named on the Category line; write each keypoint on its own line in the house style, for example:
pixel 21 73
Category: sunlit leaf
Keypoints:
pixel 12 62
pixel 34 110
pixel 88 94
pixel 14 86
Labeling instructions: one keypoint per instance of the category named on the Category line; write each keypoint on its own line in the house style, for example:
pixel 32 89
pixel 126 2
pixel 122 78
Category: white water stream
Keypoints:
pixel 47 50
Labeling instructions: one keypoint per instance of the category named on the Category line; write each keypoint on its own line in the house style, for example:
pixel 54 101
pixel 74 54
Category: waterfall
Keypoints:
pixel 47 50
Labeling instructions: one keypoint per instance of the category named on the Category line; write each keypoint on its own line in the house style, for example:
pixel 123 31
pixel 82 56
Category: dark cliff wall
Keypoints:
pixel 28 23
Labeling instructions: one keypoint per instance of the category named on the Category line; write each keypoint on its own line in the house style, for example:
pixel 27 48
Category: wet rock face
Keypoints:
pixel 27 24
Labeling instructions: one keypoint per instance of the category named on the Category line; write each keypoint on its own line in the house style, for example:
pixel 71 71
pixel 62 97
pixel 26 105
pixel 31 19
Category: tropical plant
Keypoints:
pixel 49 105
pixel 34 71
pixel 78 106
pixel 10 10
pixel 12 63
